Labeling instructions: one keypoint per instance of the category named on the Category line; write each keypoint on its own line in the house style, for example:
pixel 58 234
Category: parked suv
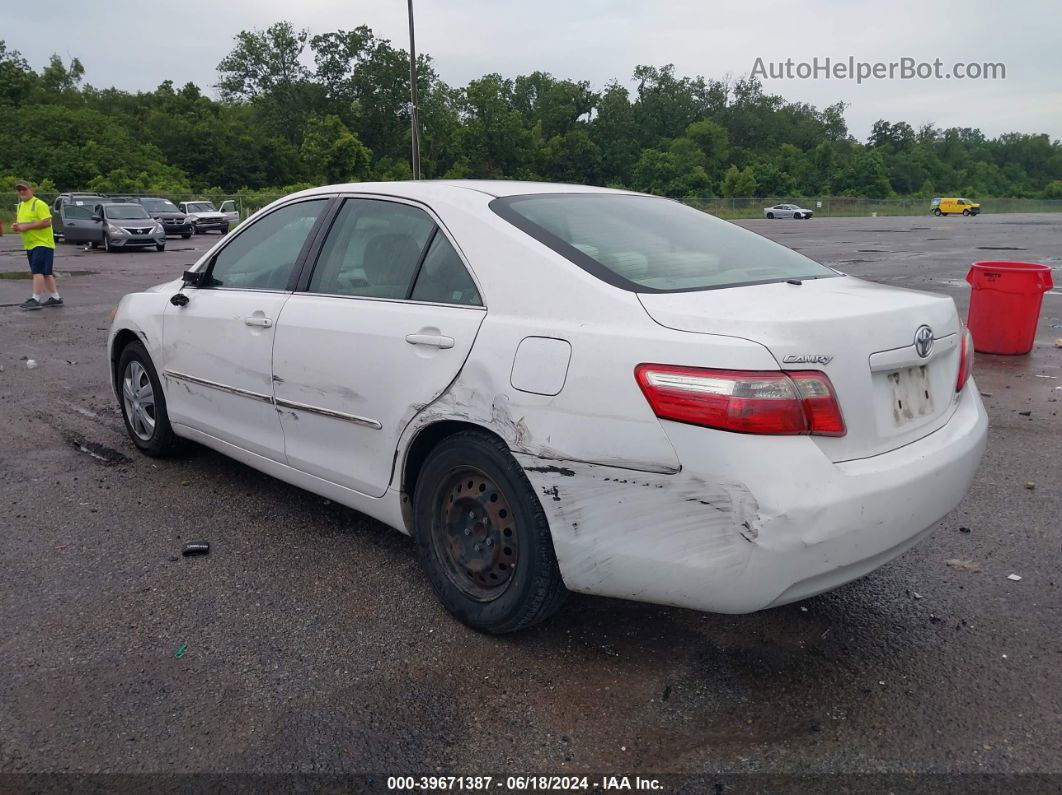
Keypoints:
pixel 173 221
pixel 205 217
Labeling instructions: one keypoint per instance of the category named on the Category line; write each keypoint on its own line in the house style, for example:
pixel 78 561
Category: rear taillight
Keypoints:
pixel 966 359
pixel 778 403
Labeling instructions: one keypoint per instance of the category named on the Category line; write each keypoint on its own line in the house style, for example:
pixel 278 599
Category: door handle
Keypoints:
pixel 264 322
pixel 434 340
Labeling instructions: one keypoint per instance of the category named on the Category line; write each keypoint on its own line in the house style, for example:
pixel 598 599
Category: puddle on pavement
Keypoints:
pixel 999 248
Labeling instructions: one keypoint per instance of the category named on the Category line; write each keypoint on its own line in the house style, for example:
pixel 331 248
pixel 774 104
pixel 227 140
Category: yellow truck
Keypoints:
pixel 954 206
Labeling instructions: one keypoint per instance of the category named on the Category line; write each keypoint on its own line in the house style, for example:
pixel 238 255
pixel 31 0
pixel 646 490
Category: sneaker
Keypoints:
pixel 30 303
pixel 53 302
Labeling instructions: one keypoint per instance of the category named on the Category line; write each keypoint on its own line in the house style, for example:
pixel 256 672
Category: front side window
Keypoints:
pixel 372 250
pixel 653 245
pixel 263 255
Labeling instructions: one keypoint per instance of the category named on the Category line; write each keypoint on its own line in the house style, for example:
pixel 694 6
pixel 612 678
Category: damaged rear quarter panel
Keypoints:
pixel 670 539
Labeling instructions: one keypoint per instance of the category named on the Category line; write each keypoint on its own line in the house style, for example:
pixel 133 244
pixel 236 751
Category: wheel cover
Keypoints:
pixel 138 398
pixel 473 534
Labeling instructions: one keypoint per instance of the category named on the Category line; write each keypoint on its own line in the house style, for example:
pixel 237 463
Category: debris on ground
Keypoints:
pixel 1030 486
pixel 71 361
pixel 1054 377
pixel 1014 577
pixel 962 565
pixel 1058 343
pixel 916 595
pixel 180 651
pixel 196 548
pixel 31 364
pixel 1025 413
pixel 964 529
pixel 986 394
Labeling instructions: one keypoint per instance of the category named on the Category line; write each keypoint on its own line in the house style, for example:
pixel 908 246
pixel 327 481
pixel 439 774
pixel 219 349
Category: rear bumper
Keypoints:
pixel 752 522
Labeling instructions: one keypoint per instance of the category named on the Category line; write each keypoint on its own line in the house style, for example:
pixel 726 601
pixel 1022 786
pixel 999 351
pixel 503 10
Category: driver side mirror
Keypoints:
pixel 194 278
pixel 97 217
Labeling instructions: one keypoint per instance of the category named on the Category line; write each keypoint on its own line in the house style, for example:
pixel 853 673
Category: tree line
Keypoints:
pixel 279 123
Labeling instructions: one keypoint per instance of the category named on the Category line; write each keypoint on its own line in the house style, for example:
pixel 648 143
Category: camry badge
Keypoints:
pixel 923 341
pixel 808 358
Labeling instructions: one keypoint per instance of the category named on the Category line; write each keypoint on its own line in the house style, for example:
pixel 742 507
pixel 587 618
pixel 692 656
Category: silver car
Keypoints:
pixel 115 226
pixel 786 211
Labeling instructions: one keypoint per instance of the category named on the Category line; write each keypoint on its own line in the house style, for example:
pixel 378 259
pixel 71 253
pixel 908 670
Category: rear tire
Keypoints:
pixel 966 213
pixel 160 247
pixel 186 236
pixel 486 547
pixel 143 409
pixel 770 215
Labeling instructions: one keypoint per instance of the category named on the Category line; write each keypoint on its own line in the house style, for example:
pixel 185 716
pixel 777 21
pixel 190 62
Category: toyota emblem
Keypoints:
pixel 923 341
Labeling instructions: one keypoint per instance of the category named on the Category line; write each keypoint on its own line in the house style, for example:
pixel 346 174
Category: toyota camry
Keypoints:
pixel 559 388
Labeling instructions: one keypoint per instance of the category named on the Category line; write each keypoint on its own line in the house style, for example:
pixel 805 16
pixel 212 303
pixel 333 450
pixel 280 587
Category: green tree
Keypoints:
pixel 333 153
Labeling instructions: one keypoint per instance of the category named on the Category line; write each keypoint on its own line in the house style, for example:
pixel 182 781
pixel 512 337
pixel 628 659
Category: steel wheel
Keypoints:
pixel 473 534
pixel 138 395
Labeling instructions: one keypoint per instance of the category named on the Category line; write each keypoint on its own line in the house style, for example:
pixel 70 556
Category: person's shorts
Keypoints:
pixel 40 260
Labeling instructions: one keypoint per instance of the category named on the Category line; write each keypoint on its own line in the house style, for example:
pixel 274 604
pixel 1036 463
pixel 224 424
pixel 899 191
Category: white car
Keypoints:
pixel 787 211
pixel 561 388
pixel 205 217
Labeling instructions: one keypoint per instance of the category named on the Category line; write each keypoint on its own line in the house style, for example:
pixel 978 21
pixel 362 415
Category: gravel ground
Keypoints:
pixel 312 642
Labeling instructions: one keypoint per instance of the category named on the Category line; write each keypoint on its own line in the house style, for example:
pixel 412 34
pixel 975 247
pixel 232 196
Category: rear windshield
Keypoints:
pixel 125 212
pixel 159 206
pixel 653 245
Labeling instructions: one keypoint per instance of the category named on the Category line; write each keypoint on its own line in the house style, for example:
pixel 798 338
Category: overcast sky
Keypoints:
pixel 137 45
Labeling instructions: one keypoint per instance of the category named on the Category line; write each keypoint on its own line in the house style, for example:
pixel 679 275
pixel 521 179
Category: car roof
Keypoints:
pixel 495 188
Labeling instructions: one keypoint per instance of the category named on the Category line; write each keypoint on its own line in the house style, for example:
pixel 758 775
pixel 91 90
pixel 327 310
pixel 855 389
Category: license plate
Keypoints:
pixel 912 395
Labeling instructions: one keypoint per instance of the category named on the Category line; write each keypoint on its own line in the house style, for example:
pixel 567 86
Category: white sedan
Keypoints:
pixel 787 211
pixel 559 388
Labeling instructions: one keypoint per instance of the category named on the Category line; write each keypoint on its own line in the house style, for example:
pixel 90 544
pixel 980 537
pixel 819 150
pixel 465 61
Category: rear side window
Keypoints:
pixel 653 245
pixel 443 278
pixel 77 211
pixel 372 250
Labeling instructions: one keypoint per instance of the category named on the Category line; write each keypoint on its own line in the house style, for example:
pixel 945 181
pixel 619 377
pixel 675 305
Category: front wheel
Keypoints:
pixel 143 403
pixel 483 538
pixel 937 213
pixel 186 235
pixel 160 247
pixel 224 230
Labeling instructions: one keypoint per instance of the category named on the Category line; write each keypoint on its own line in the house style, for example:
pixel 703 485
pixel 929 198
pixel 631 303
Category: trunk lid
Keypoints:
pixel 890 395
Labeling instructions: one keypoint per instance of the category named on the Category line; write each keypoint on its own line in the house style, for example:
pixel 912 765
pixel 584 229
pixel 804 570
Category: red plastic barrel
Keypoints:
pixel 1005 305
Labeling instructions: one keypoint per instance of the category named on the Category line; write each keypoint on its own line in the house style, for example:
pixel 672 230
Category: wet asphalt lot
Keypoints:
pixel 313 643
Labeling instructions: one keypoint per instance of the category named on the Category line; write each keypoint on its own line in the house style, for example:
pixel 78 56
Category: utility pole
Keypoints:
pixel 414 122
